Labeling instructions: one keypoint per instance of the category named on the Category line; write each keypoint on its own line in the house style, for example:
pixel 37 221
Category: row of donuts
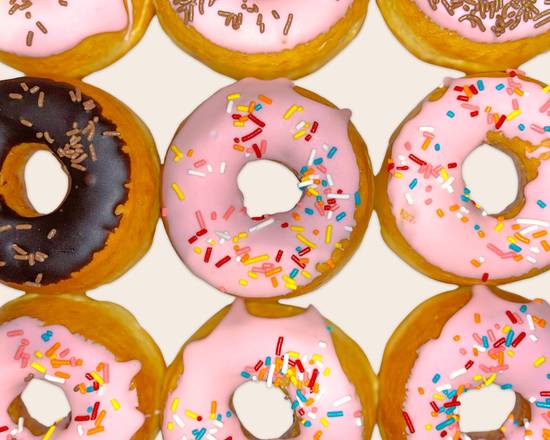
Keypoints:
pixel 115 379
pixel 243 38
pixel 111 160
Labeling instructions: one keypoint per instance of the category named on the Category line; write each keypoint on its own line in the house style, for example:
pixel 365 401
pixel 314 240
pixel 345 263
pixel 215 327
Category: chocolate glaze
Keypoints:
pixel 87 216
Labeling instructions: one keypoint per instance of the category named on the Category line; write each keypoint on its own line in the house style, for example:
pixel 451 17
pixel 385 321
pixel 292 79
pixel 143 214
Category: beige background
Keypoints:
pixel 380 82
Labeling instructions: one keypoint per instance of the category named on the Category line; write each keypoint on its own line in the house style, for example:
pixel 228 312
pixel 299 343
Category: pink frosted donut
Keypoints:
pixel 69 37
pixel 109 369
pixel 490 338
pixel 471 35
pixel 327 379
pixel 288 253
pixel 263 39
pixel 432 220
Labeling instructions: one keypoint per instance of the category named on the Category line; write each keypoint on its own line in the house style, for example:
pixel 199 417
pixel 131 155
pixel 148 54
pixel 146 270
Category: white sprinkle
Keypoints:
pixel 270 375
pixel 209 168
pixel 326 147
pixel 322 344
pixel 178 421
pixel 54 379
pixel 359 421
pixel 457 373
pixel 409 198
pixel 229 108
pixel 80 430
pixel 339 196
pixel 342 401
pixel 529 221
pixel 217 423
pixel 311 156
pixel 284 368
pixel 530 321
pixel 305 183
pixel 196 173
pixel 300 125
pixel 261 225
pixel 348 228
pixel 535 250
pixel 480 348
pixel 222 167
pixel 20 424
pixel 529 229
pixel 329 180
pixel 531 260
pixel 445 387
pixel 533 338
pixel 225 235
pixel 428 129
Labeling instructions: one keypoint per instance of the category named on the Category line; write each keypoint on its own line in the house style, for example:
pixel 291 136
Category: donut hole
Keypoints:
pixel 486 409
pixel 491 176
pixel 41 405
pixel 268 187
pixel 33 181
pixel 47 184
pixel 264 412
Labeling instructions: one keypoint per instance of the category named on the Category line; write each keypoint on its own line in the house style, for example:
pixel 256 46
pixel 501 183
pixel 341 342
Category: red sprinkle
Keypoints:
pixel 256 121
pixel 518 339
pixel 279 346
pixel 223 261
pixel 251 135
pixel 409 422
pixel 207 254
pixel 511 317
pixel 314 375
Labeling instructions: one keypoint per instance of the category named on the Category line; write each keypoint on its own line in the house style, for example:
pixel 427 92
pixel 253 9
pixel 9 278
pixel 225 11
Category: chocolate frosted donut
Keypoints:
pixel 81 127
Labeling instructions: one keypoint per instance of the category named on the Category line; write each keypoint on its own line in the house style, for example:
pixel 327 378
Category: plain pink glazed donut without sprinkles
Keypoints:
pixel 431 219
pixel 285 254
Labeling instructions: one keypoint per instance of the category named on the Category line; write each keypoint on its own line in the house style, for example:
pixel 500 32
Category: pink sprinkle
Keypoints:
pixel 164 212
pixel 65 353
pixel 408 146
pixel 200 220
pixel 228 213
pixel 213 215
pixel 25 360
pixel 545 106
pixel 199 163
pixel 13 333
pixel 25 341
pixel 515 104
pixel 537 128
pixel 428 202
pixel 106 373
pixel 19 352
pixel 73 362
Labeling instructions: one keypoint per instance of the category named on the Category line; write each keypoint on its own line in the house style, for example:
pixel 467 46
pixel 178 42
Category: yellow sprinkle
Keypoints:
pixel 439 397
pixel 514 114
pixel 233 96
pixel 491 379
pixel 444 173
pixel 97 378
pixel 506 329
pixel 306 241
pixel 49 433
pixel 170 426
pixel 175 404
pixel 289 280
pixel 499 226
pixel 324 422
pixel 299 134
pixel 38 367
pixel 177 153
pixel 115 404
pixel 428 427
pixel 243 282
pixel 238 124
pixel 253 275
pixel 291 286
pixel 294 354
pixel 511 353
pixel 178 191
pixel 38 354
pixel 297 228
pixel 519 91
pixel 242 108
pixel 317 357
pixel 197 249
pixel 328 234
pixel 291 111
pixel 398 175
pixel 191 414
pixel 326 372
pixel 546 89
pixel 478 377
pixel 541 360
pixel 306 274
pixel 256 260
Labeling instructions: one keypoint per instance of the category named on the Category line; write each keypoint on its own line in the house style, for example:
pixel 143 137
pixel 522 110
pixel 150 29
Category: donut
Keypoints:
pixel 70 38
pixel 431 219
pixel 285 254
pixel 108 367
pixel 473 36
pixel 266 40
pixel 107 220
pixel 324 374
pixel 462 341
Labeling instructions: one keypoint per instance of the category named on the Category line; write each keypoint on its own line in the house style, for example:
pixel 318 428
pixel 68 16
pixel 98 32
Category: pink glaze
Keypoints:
pixel 484 22
pixel 448 355
pixel 53 28
pixel 434 212
pixel 22 338
pixel 266 26
pixel 204 208
pixel 238 350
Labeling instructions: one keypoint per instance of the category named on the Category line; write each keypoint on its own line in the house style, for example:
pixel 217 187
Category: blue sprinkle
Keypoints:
pixel 318 161
pixel 228 414
pixel 509 338
pixel 541 204
pixel 294 404
pixel 515 247
pixel 548 376
pixel 437 147
pixel 444 424
pixel 464 198
pixel 245 374
pixel 294 273
pixel 332 152
pixel 89 409
pixel 301 396
pixel 523 308
pixel 268 361
pixel 201 434
pixel 258 107
pixel 413 183
pixel 436 378
pixel 303 170
pixel 451 114
pixel 480 85
pixel 500 86
pixel 547 128
pixel 521 127
pixel 324 182
pixel 319 198
pixel 340 216
pixel 357 198
pixel 219 417
pixel 309 211
pixel 329 328
pixel 307 424
pixel 507 386
pixel 542 404
pixel 335 413
pixel 477 227
pixel 467 190
pixel 485 340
